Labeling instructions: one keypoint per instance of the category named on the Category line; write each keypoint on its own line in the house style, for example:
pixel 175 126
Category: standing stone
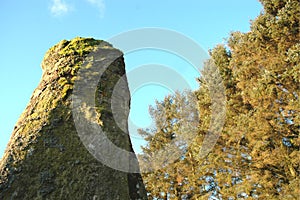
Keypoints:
pixel 45 158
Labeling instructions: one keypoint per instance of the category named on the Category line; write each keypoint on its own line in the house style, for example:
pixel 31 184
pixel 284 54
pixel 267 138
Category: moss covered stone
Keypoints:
pixel 45 158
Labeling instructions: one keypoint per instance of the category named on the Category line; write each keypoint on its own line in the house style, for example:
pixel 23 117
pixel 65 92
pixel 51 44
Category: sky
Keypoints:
pixel 30 28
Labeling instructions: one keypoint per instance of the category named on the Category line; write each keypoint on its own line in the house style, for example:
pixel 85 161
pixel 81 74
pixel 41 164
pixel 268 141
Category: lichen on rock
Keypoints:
pixel 45 158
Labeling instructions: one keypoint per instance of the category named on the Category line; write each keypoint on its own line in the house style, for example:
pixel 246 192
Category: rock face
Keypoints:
pixel 45 158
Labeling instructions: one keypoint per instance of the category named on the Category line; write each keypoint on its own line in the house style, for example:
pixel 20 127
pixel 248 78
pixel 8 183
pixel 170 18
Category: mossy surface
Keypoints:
pixel 45 158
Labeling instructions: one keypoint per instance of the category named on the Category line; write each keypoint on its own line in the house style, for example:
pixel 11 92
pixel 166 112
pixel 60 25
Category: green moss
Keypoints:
pixel 80 46
pixel 67 88
pixel 62 81
pixel 60 45
pixel 73 79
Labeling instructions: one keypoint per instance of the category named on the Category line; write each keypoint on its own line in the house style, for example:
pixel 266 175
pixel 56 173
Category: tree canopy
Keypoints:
pixel 257 154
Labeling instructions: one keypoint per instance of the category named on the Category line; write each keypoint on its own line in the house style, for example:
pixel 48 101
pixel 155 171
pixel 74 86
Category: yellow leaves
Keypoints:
pixel 179 179
pixel 295 157
pixel 292 171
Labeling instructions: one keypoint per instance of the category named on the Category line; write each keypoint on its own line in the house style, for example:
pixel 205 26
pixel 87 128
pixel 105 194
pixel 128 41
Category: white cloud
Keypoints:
pixel 59 7
pixel 100 5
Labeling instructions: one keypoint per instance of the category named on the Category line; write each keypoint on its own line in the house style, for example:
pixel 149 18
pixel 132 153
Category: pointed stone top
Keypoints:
pixel 77 47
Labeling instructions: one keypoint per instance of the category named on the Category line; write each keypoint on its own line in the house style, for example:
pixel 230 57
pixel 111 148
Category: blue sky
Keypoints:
pixel 29 28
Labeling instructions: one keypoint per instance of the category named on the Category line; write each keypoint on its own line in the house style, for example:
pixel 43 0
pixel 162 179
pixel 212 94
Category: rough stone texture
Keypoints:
pixel 45 158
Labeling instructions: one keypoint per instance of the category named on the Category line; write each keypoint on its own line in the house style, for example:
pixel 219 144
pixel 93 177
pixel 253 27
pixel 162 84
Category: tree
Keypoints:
pixel 257 155
pixel 164 158
pixel 265 62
